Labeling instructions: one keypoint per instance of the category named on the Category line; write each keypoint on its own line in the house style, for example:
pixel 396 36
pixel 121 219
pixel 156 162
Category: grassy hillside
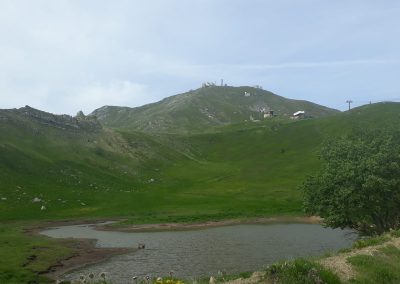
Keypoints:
pixel 239 170
pixel 73 171
pixel 204 108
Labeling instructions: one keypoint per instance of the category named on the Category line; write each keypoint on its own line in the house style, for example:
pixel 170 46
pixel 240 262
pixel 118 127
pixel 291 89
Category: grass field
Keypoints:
pixel 24 256
pixel 235 171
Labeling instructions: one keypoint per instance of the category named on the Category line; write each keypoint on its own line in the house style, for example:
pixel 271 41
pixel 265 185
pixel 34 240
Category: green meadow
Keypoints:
pixel 234 171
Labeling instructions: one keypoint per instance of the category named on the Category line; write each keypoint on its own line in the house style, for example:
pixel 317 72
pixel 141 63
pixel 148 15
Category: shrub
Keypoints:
pixel 300 271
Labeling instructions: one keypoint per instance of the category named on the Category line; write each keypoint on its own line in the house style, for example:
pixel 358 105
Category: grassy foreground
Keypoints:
pixel 24 257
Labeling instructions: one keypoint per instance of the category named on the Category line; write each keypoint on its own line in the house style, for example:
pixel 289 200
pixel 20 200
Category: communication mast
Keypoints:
pixel 349 102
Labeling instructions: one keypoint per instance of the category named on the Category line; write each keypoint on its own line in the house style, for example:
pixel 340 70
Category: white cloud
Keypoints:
pixel 15 97
pixel 288 65
pixel 339 63
pixel 121 93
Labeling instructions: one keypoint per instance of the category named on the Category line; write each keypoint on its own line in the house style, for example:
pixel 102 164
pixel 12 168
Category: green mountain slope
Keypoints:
pixel 198 110
pixel 69 163
pixel 77 168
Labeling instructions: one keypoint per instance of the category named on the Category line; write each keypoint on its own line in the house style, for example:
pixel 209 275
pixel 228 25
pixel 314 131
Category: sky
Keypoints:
pixel 65 56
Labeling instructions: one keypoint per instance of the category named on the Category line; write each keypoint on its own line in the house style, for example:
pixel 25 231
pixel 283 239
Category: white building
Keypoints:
pixel 298 114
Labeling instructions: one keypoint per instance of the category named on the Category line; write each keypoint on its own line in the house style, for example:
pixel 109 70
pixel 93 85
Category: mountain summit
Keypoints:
pixel 209 106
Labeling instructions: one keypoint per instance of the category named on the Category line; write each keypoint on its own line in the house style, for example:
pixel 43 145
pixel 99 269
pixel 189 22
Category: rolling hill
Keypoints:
pixel 205 108
pixel 78 168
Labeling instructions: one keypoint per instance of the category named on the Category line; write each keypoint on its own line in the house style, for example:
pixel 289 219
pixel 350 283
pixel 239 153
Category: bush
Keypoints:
pixel 359 186
pixel 300 271
pixel 362 243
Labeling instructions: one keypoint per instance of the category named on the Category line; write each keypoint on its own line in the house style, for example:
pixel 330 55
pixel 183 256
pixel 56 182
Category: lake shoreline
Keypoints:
pixel 207 224
pixel 86 253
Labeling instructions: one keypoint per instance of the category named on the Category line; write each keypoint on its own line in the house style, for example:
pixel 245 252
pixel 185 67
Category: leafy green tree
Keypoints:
pixel 359 185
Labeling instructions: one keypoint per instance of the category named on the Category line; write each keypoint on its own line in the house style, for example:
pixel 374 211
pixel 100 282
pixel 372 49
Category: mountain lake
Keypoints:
pixel 194 254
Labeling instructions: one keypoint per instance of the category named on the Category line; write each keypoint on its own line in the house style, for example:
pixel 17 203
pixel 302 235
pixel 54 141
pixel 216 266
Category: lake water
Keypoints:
pixel 201 253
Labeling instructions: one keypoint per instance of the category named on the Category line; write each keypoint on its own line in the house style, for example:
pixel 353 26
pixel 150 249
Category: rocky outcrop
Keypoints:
pixel 64 121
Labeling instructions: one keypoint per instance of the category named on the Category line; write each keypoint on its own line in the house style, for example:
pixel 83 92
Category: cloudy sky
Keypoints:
pixel 64 56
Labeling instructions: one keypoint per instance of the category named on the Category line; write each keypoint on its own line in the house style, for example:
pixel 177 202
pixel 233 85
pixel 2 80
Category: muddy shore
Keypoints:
pixel 207 224
pixel 84 253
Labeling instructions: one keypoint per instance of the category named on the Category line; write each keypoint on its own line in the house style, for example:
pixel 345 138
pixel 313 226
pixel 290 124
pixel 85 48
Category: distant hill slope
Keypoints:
pixel 79 169
pixel 198 110
pixel 29 116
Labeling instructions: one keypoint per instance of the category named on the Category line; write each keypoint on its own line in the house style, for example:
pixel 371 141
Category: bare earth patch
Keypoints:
pixel 209 224
pixel 85 250
pixel 256 277
pixel 86 254
pixel 343 269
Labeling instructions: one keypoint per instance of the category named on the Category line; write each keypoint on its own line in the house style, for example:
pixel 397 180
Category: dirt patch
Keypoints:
pixel 256 277
pixel 207 224
pixel 37 228
pixel 343 269
pixel 85 254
